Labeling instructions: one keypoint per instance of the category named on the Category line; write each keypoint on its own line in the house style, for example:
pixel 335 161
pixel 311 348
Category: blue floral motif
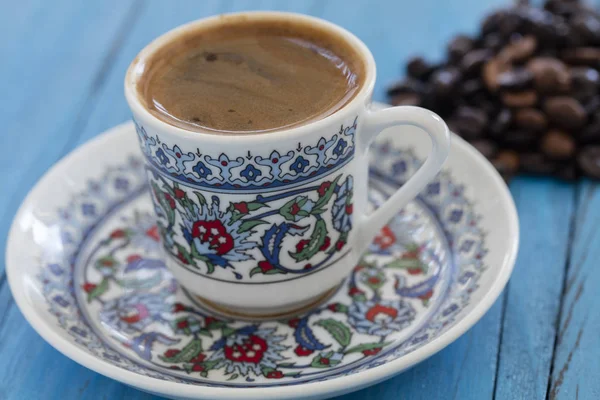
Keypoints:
pixel 342 207
pixel 179 156
pixel 299 165
pixel 88 209
pixel 162 157
pixel 224 165
pixel 202 170
pixel 121 184
pixel 380 317
pixel 133 313
pixel 339 148
pixel 275 162
pixel 251 173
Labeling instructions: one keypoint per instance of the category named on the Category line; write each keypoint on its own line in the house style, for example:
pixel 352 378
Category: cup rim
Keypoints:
pixel 135 71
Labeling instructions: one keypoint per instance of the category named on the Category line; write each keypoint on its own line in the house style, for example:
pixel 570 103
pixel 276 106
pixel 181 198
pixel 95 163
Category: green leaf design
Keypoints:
pixel 325 199
pixel 164 203
pixel 286 364
pixel 205 332
pixel 201 198
pixel 185 253
pixel 286 209
pixel 255 205
pixel 191 350
pixel 210 267
pixel 211 363
pixel 248 225
pixel 317 238
pixel 366 346
pixel 254 271
pixel 317 361
pixel 141 283
pixel 405 263
pixel 338 330
pixel 232 377
pixel 98 290
pixel 227 331
pixel 106 261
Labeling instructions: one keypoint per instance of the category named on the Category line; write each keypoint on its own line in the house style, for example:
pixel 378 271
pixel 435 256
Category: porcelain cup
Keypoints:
pixel 266 224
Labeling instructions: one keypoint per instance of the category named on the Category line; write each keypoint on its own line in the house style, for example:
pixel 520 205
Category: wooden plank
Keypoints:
pixel 545 209
pixel 576 362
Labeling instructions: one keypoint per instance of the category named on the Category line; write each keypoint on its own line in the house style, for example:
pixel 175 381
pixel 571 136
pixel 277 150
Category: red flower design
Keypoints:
pixel 427 295
pixel 88 287
pixel 274 375
pixel 354 291
pixel 133 258
pixel 386 238
pixel 209 320
pixel 414 271
pixel 170 200
pixel 265 266
pixel 251 350
pixel 372 312
pixel 180 194
pixel 153 233
pixel 325 244
pixel 183 324
pixel 178 307
pixel 215 234
pixel 118 233
pixel 198 359
pixel 301 245
pixel 323 188
pixel 324 360
pixel 371 352
pixel 171 353
pixel 339 244
pixel 349 209
pixel 241 207
pixel 182 258
pixel 308 266
pixel 294 209
pixel 294 322
pixel 374 280
pixel 332 307
pixel 198 368
pixel 302 351
pixel 107 262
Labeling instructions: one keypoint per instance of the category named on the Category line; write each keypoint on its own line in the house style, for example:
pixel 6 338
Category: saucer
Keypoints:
pixel 84 266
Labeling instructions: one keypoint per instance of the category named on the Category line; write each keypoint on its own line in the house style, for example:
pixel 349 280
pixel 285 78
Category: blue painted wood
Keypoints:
pixel 533 296
pixel 576 363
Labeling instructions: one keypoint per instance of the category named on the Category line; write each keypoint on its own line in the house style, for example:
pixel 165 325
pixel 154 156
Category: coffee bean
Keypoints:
pixel 591 132
pixel 486 147
pixel 493 42
pixel 527 98
pixel 472 62
pixel 584 82
pixel 565 112
pixel 587 26
pixel 470 88
pixel 408 85
pixel 443 81
pixel 588 161
pixel 592 104
pixel 531 119
pixel 519 139
pixel 501 123
pixel 589 56
pixel 550 75
pixel 469 122
pixel 506 162
pixel 418 68
pixel 558 145
pixel 458 47
pixel 536 163
pixel 406 99
pixel 519 50
pixel 515 79
pixel 492 70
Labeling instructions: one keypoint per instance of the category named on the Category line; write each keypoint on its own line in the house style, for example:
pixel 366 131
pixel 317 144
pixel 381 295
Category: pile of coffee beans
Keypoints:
pixel 525 92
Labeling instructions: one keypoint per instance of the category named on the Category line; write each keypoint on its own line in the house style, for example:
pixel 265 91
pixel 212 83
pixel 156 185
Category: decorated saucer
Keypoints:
pixel 84 265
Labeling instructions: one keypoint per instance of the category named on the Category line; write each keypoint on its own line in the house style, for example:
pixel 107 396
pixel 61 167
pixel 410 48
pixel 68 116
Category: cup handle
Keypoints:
pixel 374 123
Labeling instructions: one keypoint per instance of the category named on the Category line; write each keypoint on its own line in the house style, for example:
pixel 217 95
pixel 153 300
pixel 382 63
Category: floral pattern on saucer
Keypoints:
pixel 110 291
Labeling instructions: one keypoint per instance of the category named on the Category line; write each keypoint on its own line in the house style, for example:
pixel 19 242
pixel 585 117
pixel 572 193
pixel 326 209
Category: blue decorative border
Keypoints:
pixel 264 172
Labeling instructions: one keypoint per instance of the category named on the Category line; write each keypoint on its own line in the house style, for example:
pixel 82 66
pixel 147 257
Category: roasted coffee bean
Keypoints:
pixel 507 162
pixel 584 82
pixel 588 161
pixel 558 145
pixel 443 81
pixel 515 79
pixel 470 88
pixel 527 98
pixel 550 75
pixel 565 112
pixel 589 56
pixel 458 47
pixel 531 119
pixel 472 62
pixel 587 26
pixel 591 132
pixel 492 70
pixel 519 50
pixel 536 163
pixel 493 42
pixel 418 68
pixel 501 123
pixel 486 147
pixel 491 22
pixel 519 139
pixel 408 85
pixel 406 99
pixel 592 104
pixel 469 122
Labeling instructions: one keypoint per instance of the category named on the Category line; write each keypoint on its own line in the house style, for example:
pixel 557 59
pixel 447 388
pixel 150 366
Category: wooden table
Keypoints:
pixel 62 69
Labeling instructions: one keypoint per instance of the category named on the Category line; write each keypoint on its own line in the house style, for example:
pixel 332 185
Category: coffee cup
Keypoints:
pixel 269 223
